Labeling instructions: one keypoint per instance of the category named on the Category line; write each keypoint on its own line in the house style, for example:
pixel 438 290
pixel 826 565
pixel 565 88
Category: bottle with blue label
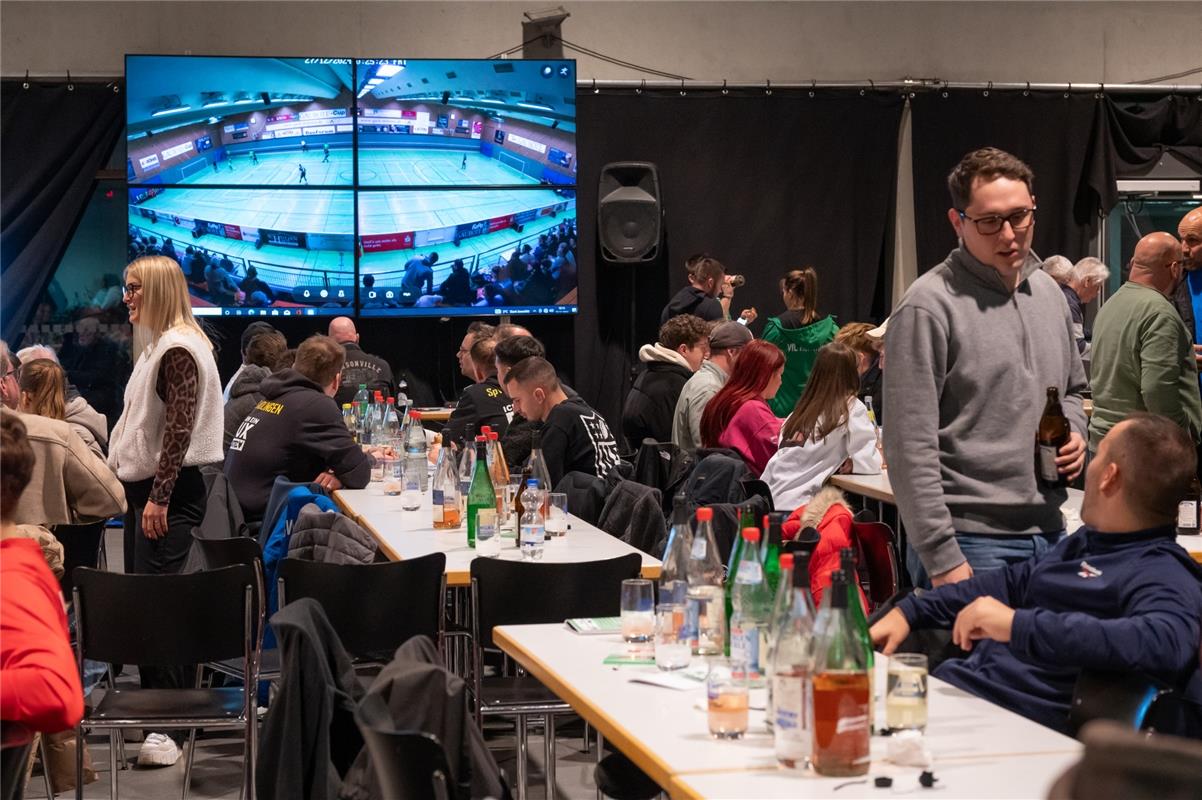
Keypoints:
pixel 752 609
pixel 705 615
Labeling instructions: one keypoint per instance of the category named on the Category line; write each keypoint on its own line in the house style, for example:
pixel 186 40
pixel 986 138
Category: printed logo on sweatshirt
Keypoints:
pixel 1087 571
pixel 270 408
pixel 244 429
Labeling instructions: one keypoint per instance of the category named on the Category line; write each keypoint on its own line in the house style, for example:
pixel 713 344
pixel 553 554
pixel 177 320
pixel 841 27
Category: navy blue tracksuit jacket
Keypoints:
pixel 1129 602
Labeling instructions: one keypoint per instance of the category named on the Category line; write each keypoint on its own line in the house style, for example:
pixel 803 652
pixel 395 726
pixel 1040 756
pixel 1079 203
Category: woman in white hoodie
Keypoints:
pixel 829 431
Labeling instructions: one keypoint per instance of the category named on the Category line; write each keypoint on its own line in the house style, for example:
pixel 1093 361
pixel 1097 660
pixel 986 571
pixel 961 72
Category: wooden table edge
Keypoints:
pixel 845 483
pixel 657 770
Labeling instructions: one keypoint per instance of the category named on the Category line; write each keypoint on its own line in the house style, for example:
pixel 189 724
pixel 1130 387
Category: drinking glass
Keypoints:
pixel 906 694
pixel 557 514
pixel 638 610
pixel 509 520
pixel 390 472
pixel 727 691
pixel 672 650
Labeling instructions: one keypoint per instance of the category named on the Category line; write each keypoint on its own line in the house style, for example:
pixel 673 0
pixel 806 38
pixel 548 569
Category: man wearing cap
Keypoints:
pixel 726 340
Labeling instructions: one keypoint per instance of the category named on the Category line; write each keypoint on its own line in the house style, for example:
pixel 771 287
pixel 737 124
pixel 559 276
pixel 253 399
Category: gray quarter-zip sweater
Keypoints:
pixel 969 365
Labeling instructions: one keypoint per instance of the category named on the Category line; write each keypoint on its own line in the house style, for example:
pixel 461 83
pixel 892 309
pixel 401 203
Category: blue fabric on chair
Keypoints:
pixel 275 549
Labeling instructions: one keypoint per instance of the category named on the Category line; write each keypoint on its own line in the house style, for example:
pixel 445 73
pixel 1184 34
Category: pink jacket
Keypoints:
pixel 754 432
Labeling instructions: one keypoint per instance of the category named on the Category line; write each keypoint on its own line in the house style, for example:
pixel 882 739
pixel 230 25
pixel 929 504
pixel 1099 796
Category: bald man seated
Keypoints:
pixel 1142 353
pixel 360 367
pixel 1118 595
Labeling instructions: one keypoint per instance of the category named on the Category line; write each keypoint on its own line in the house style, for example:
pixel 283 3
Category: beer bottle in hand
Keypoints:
pixel 1052 435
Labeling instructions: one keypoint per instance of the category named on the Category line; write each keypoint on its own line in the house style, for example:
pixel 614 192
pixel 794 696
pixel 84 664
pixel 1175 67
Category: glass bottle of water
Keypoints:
pixel 445 494
pixel 415 451
pixel 362 402
pixel 532 534
pixel 752 609
pixel 673 578
pixel 706 614
pixel 466 465
pixel 390 425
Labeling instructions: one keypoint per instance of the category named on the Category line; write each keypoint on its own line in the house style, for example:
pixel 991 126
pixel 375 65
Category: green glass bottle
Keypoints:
pixel 746 520
pixel 855 607
pixel 771 549
pixel 480 496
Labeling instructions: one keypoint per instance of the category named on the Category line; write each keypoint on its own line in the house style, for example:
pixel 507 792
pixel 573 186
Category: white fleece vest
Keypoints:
pixel 137 439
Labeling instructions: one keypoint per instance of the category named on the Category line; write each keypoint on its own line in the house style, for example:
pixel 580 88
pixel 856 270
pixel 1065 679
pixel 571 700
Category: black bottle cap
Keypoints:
pixel 882 782
pixel 927 779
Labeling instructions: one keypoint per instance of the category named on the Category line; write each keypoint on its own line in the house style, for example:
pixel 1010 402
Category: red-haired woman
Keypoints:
pixel 738 416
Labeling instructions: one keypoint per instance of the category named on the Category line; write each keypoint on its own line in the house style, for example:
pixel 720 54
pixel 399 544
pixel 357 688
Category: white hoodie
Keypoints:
pixel 657 352
pixel 799 469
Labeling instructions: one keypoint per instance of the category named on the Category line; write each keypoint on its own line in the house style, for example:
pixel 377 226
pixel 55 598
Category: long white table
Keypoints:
pixel 980 750
pixel 411 534
pixel 878 487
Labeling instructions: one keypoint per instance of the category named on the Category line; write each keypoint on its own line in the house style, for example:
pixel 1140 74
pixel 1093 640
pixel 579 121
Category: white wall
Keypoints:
pixel 1113 42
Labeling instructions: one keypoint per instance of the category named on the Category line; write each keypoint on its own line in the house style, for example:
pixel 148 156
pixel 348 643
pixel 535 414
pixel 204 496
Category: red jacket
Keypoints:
pixel 39 677
pixel 829 514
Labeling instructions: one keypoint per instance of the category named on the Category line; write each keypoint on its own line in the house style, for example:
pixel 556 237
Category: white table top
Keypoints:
pixel 410 534
pixel 664 731
pixel 878 487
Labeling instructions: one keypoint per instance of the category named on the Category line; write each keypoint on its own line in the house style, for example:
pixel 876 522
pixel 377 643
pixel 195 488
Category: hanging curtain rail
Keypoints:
pixel 924 85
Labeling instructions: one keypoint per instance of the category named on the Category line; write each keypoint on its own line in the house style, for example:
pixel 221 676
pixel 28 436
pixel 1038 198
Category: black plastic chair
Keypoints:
pixel 1124 697
pixel 13 759
pixel 524 593
pixel 406 763
pixel 374 608
pixel 169 620
pixel 81 548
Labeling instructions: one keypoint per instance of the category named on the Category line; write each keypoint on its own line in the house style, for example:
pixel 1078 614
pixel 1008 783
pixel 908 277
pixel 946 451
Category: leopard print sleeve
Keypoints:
pixel 177 385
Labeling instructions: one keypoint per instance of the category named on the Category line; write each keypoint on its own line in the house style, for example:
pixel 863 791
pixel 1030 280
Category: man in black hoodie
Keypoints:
pixel 359 367
pixel 296 431
pixel 482 403
pixel 682 345
pixel 708 294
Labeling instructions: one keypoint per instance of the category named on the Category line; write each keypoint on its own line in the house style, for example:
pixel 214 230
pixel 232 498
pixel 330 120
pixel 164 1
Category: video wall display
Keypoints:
pixel 310 186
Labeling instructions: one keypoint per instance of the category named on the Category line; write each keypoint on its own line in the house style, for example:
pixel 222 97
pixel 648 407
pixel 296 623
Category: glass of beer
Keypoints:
pixel 727 692
pixel 906 694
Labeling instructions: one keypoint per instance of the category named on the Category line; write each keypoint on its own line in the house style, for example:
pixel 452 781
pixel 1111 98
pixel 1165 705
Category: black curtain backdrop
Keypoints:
pixel 1141 130
pixel 764 182
pixel 54 139
pixel 1060 135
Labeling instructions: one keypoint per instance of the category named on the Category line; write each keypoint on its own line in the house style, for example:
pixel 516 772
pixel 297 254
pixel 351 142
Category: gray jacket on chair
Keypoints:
pixel 330 538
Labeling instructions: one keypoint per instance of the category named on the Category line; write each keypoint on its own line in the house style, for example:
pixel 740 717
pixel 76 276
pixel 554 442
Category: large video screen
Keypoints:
pixel 395 187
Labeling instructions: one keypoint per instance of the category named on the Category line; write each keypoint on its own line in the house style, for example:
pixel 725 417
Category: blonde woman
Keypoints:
pixel 43 392
pixel 170 426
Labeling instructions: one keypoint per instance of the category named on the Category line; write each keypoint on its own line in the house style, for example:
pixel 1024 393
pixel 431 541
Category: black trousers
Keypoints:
pixel 165 556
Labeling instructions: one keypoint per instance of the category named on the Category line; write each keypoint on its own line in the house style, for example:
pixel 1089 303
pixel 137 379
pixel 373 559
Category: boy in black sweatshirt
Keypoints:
pixel 1119 595
pixel 296 431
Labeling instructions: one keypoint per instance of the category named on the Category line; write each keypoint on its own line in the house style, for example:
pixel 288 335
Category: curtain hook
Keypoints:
pixel 1101 91
pixel 813 86
pixel 1027 91
pixel 682 91
pixel 768 87
pixel 70 86
pixel 1069 90
pixel 642 86
pixel 25 85
pixel 725 91
pixel 944 93
pixel 595 90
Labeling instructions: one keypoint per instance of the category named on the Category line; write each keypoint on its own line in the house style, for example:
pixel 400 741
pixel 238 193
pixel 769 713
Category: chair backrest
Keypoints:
pixel 521 593
pixel 874 543
pixel 218 553
pixel 373 607
pixel 81 548
pixel 406 763
pixel 1124 697
pixel 167 619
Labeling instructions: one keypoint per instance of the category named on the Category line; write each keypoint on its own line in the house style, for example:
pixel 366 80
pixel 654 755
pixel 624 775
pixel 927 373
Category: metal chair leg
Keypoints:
pixel 521 766
pixel 45 765
pixel 114 737
pixel 588 734
pixel 549 754
pixel 188 759
pixel 600 750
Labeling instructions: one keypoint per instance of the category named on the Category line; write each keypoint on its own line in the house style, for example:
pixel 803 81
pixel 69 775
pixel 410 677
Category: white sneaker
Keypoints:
pixel 159 750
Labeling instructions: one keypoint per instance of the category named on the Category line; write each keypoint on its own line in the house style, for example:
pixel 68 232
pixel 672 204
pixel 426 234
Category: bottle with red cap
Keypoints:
pixel 415 452
pixel 706 607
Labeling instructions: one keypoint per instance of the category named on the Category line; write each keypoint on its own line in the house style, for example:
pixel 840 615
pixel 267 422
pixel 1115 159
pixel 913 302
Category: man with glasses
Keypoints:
pixel 973 348
pixel 1143 356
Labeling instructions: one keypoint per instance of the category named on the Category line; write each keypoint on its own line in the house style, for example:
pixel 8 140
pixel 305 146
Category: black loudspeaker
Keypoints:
pixel 630 218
